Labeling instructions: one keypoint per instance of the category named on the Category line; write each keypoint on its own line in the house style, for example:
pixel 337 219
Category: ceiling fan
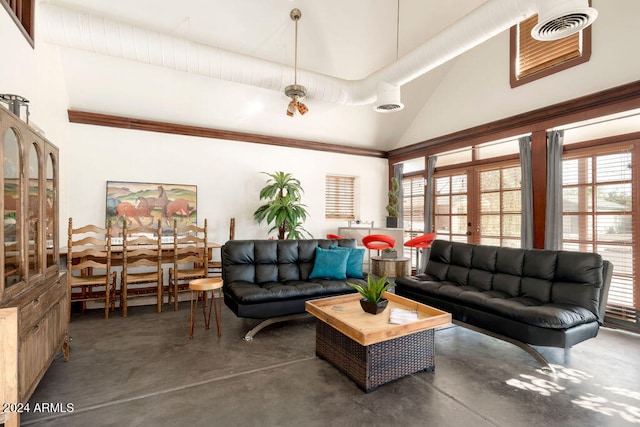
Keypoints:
pixel 295 91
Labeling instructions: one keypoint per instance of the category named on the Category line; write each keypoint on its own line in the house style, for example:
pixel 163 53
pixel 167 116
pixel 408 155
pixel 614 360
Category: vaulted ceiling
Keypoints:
pixel 348 40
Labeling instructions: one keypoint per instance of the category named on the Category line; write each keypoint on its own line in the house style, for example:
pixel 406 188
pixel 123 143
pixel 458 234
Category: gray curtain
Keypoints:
pixel 526 221
pixel 553 215
pixel 428 209
pixel 398 172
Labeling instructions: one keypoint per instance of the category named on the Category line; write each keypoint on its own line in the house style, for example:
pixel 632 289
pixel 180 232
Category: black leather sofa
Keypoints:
pixel 269 279
pixel 539 297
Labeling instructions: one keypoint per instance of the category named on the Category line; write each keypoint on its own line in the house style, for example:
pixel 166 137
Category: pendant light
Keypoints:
pixel 295 91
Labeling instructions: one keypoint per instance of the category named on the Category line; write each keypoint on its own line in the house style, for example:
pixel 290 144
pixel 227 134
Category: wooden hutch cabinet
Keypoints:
pixel 34 301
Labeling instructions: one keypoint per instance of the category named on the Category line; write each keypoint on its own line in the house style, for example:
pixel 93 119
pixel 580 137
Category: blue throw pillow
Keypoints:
pixel 354 262
pixel 330 265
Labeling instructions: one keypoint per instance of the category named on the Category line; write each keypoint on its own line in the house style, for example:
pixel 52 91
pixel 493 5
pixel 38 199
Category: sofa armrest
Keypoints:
pixel 607 273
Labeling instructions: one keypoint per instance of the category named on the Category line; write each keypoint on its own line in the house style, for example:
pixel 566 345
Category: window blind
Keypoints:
pixel 340 197
pixel 535 55
pixel 21 11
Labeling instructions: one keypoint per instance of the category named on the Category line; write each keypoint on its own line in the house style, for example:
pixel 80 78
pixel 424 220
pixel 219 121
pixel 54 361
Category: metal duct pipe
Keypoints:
pixel 80 30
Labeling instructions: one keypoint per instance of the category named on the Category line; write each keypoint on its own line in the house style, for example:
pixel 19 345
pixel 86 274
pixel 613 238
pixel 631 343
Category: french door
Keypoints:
pixel 479 205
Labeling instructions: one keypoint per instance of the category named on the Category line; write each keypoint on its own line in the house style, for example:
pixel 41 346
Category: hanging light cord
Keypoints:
pixel 397 31
pixel 295 60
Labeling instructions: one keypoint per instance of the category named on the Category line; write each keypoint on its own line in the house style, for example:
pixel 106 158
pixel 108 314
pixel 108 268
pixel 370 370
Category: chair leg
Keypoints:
pixel 192 314
pixel 214 303
pixel 107 297
pixel 123 299
pixel 159 299
pixel 175 293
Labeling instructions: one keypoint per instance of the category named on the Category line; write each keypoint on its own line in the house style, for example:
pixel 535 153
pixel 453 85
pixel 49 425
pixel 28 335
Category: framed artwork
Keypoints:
pixel 143 204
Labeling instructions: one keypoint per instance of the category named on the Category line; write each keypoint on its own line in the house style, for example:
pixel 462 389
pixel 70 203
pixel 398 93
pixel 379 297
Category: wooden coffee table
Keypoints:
pixel 369 349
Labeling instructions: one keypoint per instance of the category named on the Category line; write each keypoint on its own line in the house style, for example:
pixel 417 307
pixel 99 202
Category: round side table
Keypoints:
pixel 201 287
pixel 390 267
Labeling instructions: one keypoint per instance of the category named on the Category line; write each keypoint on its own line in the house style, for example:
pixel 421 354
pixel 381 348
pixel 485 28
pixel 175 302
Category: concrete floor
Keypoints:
pixel 144 371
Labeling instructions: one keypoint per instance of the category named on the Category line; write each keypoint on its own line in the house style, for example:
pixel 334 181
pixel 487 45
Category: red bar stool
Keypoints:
pixel 420 242
pixel 378 242
pixel 334 236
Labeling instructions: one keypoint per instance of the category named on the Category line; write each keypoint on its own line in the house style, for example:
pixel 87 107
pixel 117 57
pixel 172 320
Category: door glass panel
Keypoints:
pixel 33 210
pixel 11 166
pixel 49 211
pixel 500 205
pixel 450 210
pixel 490 202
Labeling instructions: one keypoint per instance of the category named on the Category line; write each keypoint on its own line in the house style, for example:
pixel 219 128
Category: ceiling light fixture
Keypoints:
pixel 295 91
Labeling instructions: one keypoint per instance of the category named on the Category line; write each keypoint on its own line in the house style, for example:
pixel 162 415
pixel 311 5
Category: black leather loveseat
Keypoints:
pixel 539 297
pixel 272 279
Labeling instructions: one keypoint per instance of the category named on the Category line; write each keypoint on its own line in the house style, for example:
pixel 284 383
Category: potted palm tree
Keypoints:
pixel 372 301
pixel 283 209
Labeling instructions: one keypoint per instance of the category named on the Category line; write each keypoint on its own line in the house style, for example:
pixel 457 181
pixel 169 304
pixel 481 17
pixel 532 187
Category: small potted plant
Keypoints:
pixel 389 253
pixel 372 301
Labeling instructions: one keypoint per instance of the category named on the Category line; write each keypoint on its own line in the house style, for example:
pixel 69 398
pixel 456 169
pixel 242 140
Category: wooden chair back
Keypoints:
pixel 89 274
pixel 141 264
pixel 215 267
pixel 190 258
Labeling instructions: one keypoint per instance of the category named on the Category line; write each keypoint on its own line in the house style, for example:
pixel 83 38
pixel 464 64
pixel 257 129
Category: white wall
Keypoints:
pixel 477 91
pixel 227 175
pixel 36 74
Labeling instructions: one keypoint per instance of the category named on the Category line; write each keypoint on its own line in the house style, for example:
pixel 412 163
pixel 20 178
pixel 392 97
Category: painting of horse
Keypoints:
pixel 143 204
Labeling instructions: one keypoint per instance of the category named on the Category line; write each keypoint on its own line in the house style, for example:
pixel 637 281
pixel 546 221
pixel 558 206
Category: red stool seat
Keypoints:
pixel 378 241
pixel 334 236
pixel 420 242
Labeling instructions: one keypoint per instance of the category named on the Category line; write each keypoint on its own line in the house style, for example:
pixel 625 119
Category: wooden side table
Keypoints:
pixel 201 287
pixel 390 267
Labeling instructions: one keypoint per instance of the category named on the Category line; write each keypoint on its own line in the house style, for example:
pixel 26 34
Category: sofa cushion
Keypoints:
pixel 354 262
pixel 330 264
pixel 534 312
pixel 256 293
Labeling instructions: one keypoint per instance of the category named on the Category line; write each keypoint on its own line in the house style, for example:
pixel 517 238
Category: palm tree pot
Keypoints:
pixel 372 307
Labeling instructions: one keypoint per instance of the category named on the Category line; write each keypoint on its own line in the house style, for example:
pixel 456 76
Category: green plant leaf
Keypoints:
pixel 283 210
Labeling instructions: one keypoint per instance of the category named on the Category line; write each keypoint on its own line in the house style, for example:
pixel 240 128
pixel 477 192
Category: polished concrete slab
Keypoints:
pixel 144 370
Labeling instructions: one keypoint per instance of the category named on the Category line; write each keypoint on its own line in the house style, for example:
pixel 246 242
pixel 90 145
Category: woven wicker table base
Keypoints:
pixel 376 364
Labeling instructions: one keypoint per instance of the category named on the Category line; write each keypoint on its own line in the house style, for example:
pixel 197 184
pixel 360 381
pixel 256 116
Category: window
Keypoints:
pixel 340 197
pixel 413 211
pixel 599 216
pixel 532 59
pixel 21 11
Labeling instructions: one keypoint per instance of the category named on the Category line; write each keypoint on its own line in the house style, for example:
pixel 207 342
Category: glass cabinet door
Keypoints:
pixel 49 210
pixel 12 211
pixel 33 208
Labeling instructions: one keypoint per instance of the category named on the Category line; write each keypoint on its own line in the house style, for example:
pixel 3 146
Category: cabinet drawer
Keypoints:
pixel 34 308
pixel 37 346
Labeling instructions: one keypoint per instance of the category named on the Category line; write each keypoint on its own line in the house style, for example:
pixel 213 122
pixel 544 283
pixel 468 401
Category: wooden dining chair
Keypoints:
pixel 89 274
pixel 190 259
pixel 141 264
pixel 215 267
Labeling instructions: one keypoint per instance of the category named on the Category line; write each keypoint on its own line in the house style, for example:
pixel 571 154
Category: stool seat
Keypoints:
pixel 206 284
pixel 420 242
pixel 201 287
